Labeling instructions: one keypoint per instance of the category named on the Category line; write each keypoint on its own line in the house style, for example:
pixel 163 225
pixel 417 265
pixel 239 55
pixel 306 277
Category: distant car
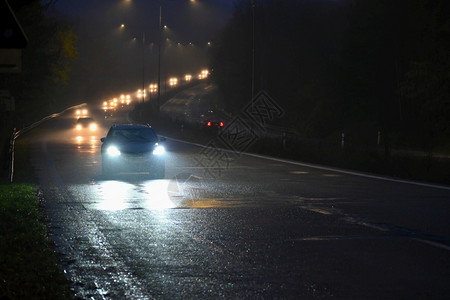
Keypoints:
pixel 211 120
pixel 86 124
pixel 214 124
pixel 133 148
pixel 81 113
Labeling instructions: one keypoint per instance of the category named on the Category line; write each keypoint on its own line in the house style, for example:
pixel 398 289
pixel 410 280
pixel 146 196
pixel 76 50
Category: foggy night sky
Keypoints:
pixel 192 21
pixel 103 44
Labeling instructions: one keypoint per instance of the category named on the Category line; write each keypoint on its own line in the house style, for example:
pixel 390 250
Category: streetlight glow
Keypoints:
pixel 161 43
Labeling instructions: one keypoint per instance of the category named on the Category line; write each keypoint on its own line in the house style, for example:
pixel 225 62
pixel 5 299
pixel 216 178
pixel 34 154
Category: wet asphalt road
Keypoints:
pixel 256 228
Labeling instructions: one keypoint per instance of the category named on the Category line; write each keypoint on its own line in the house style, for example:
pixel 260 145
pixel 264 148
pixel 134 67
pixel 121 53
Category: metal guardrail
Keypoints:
pixel 26 129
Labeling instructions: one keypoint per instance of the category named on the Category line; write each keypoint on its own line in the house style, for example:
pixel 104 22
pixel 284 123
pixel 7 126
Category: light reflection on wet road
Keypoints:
pixel 262 229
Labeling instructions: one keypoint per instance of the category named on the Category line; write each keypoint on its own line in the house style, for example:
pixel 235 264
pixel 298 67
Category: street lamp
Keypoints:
pixel 122 26
pixel 143 65
pixel 160 29
pixel 253 50
pixel 159 54
pixel 158 100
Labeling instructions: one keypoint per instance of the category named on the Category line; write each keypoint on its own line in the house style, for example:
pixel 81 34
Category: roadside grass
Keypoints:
pixel 28 262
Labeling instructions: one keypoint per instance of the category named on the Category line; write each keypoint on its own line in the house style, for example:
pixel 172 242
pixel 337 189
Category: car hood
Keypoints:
pixel 134 147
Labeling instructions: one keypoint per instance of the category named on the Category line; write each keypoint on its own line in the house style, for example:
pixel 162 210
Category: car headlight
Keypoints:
pixel 93 126
pixel 79 127
pixel 159 150
pixel 113 151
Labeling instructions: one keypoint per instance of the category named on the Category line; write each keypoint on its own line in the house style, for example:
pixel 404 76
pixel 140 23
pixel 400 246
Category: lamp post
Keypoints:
pixel 253 50
pixel 143 66
pixel 122 26
pixel 158 100
pixel 160 29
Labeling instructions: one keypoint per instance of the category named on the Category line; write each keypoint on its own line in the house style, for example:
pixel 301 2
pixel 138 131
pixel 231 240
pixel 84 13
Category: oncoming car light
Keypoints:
pixel 113 151
pixel 93 126
pixel 159 150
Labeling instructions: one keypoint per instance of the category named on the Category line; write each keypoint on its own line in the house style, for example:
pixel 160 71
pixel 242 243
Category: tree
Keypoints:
pixel 232 60
pixel 426 84
pixel 46 61
pixel 296 55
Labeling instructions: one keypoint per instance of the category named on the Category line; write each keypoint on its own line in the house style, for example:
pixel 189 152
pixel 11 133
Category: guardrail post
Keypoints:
pixel 11 156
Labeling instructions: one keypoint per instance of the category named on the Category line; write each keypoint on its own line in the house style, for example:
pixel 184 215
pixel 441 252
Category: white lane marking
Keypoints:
pixel 435 244
pixel 368 237
pixel 435 186
pixel 338 238
pixel 385 228
pixel 430 185
pixel 317 210
pixel 354 173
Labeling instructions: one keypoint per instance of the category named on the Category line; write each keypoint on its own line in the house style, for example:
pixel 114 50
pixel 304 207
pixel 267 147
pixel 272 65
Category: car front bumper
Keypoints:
pixel 142 162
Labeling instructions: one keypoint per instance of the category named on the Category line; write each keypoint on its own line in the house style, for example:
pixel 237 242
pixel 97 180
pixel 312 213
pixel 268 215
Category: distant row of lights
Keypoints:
pixel 173 81
pixel 152 88
pixel 113 103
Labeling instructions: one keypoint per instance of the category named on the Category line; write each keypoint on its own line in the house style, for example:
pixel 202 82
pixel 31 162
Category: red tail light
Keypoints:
pixel 208 124
pixel 221 124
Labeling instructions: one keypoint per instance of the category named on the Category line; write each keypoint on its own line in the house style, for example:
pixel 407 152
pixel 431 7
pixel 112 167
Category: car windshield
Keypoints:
pixel 134 134
pixel 85 120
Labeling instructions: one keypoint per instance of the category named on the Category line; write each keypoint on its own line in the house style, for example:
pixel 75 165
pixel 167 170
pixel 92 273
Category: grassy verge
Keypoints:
pixel 28 263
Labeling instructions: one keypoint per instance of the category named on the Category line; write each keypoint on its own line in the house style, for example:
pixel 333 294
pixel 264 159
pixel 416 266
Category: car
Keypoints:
pixel 212 120
pixel 133 148
pixel 81 113
pixel 86 123
pixel 214 124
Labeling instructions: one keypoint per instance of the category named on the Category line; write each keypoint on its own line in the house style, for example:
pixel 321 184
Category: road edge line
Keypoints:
pixel 319 167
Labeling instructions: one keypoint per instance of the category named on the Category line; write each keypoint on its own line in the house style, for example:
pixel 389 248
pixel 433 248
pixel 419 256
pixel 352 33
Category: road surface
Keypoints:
pixel 222 225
